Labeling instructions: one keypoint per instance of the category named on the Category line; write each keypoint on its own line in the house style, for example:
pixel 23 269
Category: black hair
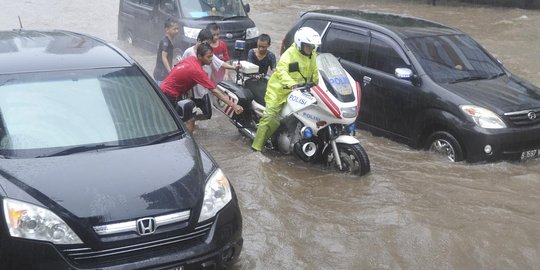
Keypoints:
pixel 169 22
pixel 203 48
pixel 213 26
pixel 204 34
pixel 265 37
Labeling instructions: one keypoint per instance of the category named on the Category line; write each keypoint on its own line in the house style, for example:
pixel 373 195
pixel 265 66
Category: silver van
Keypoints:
pixel 141 22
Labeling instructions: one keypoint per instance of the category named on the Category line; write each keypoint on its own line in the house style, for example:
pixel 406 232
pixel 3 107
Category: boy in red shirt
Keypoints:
pixel 187 74
pixel 218 46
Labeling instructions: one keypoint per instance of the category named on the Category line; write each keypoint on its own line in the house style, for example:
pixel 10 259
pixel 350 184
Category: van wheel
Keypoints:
pixel 129 38
pixel 444 143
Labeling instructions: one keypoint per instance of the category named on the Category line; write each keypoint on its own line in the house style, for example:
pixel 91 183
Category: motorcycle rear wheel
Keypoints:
pixel 354 159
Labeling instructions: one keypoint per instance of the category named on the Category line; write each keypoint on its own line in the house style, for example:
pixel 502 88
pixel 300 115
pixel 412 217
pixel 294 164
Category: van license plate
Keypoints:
pixel 529 154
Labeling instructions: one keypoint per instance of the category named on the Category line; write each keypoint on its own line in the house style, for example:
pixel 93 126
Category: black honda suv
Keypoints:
pixel 97 170
pixel 430 86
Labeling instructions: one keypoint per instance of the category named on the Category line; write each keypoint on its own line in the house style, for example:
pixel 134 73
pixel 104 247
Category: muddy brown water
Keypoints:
pixel 413 211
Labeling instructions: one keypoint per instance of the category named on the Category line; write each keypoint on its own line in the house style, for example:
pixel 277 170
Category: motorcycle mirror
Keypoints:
pixel 293 67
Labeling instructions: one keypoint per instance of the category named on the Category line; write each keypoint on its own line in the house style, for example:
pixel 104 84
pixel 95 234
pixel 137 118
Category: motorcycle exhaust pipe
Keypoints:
pixel 309 149
pixel 250 134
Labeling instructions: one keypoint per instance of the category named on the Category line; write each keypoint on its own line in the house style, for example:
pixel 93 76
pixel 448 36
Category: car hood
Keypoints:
pixel 503 94
pixel 111 184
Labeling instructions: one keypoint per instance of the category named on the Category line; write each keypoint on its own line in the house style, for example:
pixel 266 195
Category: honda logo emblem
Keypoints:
pixel 146 226
pixel 531 115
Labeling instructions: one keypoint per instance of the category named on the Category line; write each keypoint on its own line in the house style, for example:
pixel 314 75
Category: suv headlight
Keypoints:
pixel 30 221
pixel 482 117
pixel 217 194
pixel 252 32
pixel 349 112
pixel 191 32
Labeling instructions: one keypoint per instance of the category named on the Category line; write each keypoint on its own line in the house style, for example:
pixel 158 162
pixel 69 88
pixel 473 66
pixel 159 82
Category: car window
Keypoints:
pixel 383 57
pixel 346 44
pixel 318 25
pixel 60 109
pixel 453 57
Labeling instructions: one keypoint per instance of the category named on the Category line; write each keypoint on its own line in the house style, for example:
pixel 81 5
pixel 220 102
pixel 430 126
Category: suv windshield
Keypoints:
pixel 46 112
pixel 453 58
pixel 211 8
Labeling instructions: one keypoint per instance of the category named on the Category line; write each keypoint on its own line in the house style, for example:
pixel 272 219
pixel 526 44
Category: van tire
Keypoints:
pixel 129 38
pixel 444 143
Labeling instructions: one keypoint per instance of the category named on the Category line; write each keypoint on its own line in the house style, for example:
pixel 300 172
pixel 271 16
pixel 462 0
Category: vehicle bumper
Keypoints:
pixel 506 144
pixel 219 250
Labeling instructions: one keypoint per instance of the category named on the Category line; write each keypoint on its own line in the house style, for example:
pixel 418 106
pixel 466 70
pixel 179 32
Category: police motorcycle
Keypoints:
pixel 317 122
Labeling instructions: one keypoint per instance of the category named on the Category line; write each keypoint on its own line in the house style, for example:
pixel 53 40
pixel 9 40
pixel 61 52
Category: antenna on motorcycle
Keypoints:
pixel 20 23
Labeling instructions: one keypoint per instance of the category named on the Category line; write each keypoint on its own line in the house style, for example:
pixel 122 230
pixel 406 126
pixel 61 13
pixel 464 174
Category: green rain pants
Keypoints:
pixel 268 124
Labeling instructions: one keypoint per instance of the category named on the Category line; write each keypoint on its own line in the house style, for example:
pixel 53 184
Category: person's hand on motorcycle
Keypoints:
pixel 237 109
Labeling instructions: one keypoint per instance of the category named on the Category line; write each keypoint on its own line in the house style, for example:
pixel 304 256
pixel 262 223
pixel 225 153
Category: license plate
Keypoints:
pixel 530 154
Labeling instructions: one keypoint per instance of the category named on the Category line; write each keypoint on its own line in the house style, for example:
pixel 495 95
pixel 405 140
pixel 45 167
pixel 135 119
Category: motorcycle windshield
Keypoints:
pixel 335 77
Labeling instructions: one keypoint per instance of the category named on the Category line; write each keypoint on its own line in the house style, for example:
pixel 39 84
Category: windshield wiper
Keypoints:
pixel 210 17
pixel 165 138
pixel 233 17
pixel 79 149
pixel 497 75
pixel 470 78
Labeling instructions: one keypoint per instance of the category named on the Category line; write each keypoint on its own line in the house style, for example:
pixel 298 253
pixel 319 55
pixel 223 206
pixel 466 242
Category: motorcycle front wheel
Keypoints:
pixel 354 159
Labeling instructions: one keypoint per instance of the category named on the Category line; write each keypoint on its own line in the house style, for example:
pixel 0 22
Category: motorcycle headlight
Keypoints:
pixel 217 194
pixel 30 221
pixel 482 117
pixel 252 32
pixel 349 112
pixel 191 32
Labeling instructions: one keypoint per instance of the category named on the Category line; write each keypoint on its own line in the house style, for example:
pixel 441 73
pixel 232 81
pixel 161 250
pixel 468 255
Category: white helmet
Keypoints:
pixel 306 35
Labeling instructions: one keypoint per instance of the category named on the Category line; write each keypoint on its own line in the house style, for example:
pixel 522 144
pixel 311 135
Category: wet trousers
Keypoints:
pixel 268 124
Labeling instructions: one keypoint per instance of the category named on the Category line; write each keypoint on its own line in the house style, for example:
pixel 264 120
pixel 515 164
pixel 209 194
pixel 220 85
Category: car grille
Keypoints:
pixel 234 35
pixel 86 256
pixel 525 117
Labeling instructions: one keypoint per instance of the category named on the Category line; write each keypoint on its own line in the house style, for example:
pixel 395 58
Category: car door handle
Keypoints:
pixel 366 80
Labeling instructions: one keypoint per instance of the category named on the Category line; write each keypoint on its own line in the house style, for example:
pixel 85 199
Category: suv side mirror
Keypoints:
pixel 404 73
pixel 185 109
pixel 407 74
pixel 247 8
pixel 169 8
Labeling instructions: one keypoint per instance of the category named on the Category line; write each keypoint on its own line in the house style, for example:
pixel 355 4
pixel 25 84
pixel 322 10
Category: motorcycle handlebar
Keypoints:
pixel 304 86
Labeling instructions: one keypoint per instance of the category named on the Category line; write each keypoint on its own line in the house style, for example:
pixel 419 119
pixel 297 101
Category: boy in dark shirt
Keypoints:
pixel 261 56
pixel 165 51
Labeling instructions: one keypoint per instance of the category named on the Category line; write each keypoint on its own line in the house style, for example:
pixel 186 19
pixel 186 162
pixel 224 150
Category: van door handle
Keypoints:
pixel 366 80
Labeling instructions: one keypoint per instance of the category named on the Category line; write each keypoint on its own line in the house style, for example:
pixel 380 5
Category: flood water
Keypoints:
pixel 413 211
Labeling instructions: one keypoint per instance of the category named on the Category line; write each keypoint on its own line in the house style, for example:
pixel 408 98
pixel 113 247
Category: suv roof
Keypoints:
pixel 30 51
pixel 404 26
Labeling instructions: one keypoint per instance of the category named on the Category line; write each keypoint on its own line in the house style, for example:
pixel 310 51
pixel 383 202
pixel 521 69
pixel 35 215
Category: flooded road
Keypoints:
pixel 413 211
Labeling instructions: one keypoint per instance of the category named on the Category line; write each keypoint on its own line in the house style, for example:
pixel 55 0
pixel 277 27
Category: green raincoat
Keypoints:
pixel 278 89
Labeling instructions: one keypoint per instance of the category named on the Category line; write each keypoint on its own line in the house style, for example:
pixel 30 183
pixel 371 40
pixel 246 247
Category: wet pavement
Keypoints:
pixel 413 211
